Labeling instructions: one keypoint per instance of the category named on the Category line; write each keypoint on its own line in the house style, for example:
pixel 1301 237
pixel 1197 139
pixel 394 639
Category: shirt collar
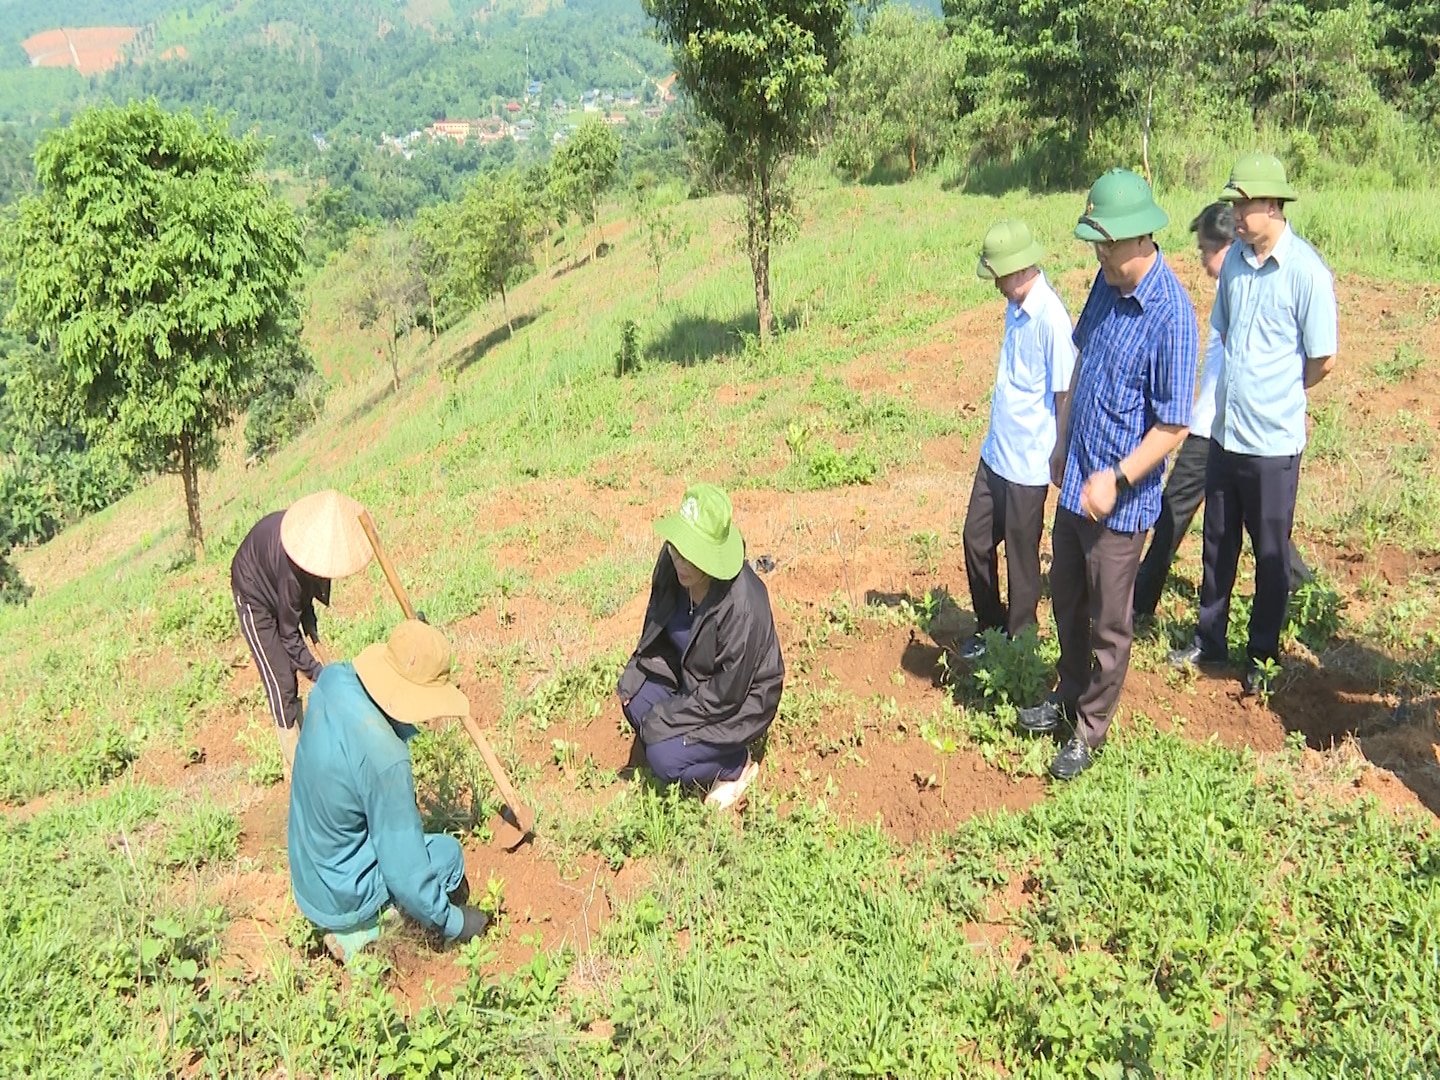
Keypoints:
pixel 1034 299
pixel 1149 288
pixel 1280 253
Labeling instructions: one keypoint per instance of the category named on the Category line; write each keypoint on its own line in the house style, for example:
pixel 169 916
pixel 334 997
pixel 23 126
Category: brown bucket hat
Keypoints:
pixel 409 675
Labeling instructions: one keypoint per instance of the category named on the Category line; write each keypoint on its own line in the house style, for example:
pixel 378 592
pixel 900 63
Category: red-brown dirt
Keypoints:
pixel 89 50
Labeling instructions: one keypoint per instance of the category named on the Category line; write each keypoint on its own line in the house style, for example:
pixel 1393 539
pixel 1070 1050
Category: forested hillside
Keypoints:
pixel 298 69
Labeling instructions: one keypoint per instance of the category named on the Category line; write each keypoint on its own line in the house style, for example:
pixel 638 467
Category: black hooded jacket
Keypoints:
pixel 732 669
pixel 262 575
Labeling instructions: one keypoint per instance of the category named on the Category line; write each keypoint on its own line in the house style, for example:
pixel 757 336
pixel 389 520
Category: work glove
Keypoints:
pixel 475 923
pixel 308 625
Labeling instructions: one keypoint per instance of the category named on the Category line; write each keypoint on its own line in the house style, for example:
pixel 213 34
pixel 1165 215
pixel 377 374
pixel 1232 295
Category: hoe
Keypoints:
pixel 517 821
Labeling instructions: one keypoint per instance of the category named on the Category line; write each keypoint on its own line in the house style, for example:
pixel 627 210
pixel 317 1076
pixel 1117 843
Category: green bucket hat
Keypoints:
pixel 1008 247
pixel 703 533
pixel 1258 176
pixel 1120 207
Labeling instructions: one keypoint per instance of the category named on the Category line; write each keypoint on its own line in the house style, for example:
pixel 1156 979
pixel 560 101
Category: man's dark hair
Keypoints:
pixel 1215 225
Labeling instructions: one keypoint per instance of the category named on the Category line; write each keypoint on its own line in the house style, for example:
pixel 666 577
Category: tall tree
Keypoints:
pixel 584 167
pixel 154 262
pixel 388 289
pixel 896 91
pixel 476 247
pixel 760 71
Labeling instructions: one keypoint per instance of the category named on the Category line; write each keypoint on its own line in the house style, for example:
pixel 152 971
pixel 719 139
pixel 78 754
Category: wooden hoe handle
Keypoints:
pixel 368 524
pixel 524 816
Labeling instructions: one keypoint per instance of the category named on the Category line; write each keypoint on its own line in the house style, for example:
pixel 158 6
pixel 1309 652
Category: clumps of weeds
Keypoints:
pixel 204 833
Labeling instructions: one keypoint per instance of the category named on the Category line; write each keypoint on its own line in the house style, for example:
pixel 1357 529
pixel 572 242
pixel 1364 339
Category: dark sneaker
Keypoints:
pixel 1194 656
pixel 1044 718
pixel 1072 760
pixel 973 649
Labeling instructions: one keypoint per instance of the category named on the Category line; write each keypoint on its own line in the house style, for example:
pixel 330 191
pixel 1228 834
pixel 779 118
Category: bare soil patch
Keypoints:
pixel 88 50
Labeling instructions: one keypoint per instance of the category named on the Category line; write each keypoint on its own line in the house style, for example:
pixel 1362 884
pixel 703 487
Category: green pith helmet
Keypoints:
pixel 1008 247
pixel 703 531
pixel 1258 176
pixel 1120 207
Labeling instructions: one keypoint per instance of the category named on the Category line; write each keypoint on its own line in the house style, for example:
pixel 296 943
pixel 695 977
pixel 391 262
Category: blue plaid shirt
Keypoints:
pixel 1138 356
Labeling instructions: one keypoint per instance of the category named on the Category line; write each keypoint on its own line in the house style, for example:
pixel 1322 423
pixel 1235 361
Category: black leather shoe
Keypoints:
pixel 1074 759
pixel 1254 681
pixel 973 649
pixel 1194 656
pixel 1042 719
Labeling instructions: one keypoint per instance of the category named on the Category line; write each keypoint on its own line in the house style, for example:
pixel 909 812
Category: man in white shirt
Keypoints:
pixel 1214 231
pixel 1007 501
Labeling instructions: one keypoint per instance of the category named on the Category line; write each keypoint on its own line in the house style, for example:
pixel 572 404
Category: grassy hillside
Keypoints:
pixel 1236 887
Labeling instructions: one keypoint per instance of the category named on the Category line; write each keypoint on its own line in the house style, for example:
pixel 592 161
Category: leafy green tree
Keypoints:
pixel 154 262
pixel 1042 60
pixel 330 219
pixel 1412 37
pixel 388 288
pixel 546 204
pixel 287 394
pixel 13 589
pixel 660 226
pixel 896 92
pixel 478 246
pixel 760 72
pixel 584 167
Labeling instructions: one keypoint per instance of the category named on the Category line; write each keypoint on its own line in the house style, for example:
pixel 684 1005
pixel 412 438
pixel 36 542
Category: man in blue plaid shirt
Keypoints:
pixel 1130 407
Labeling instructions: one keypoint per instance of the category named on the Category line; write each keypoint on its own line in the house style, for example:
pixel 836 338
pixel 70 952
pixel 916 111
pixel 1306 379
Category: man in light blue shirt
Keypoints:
pixel 1275 310
pixel 355 839
pixel 1007 500
pixel 1214 231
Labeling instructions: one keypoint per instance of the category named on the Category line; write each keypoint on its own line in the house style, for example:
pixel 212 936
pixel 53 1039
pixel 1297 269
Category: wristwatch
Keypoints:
pixel 1122 482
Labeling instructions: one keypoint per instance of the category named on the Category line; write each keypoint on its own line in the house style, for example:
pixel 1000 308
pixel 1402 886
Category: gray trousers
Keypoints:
pixel 1092 583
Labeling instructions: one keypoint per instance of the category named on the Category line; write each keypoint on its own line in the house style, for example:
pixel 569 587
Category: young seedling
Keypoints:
pixel 944 744
pixel 493 902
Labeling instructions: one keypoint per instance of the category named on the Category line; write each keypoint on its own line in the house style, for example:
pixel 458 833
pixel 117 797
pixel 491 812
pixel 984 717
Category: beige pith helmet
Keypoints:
pixel 322 535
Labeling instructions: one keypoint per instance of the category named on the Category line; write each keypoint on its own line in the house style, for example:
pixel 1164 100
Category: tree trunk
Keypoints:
pixel 190 478
pixel 1145 132
pixel 505 310
pixel 912 157
pixel 394 359
pixel 758 213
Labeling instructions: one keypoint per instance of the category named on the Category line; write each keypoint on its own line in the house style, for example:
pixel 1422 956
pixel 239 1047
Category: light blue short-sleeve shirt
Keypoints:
pixel 1273 316
pixel 1037 357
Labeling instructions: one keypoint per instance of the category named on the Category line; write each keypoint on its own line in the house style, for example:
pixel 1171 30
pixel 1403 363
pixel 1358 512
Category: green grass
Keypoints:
pixel 1178 915
pixel 1183 909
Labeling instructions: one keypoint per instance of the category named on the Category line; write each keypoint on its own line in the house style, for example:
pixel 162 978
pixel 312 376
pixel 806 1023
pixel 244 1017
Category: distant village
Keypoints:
pixel 516 120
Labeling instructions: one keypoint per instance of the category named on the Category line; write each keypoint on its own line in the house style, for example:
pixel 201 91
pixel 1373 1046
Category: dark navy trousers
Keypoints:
pixel 1256 495
pixel 1184 492
pixel 683 759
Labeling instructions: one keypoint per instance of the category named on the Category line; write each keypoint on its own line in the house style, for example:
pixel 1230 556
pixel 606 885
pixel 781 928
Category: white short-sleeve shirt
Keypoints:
pixel 1203 415
pixel 1037 357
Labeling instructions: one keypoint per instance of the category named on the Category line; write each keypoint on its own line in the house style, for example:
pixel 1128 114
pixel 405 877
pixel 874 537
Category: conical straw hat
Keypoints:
pixel 322 535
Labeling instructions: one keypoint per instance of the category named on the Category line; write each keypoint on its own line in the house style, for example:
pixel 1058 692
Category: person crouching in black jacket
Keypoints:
pixel 284 564
pixel 705 680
